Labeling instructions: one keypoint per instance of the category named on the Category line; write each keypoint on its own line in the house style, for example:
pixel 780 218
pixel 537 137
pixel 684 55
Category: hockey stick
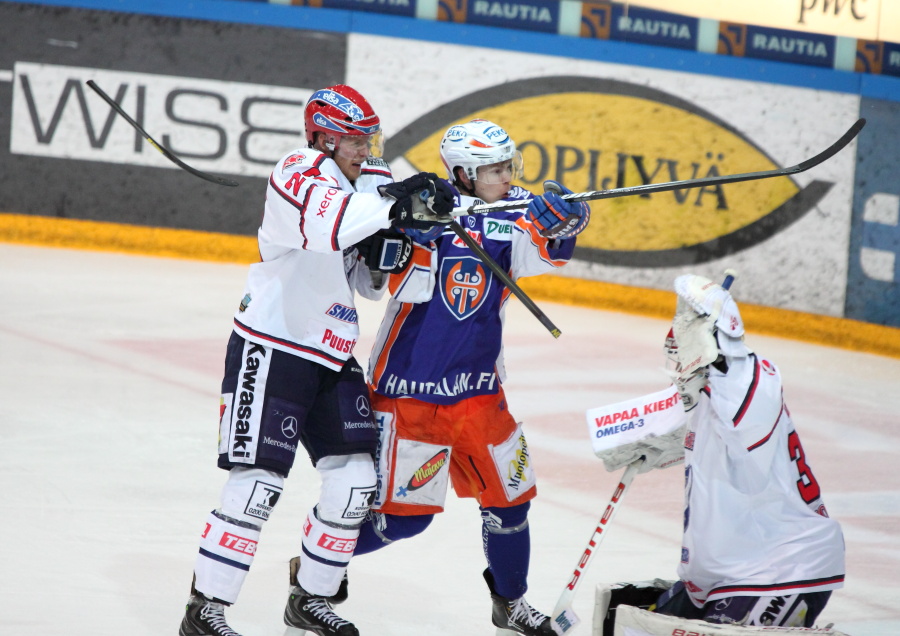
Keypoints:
pixel 166 153
pixel 564 617
pixel 649 188
pixel 504 278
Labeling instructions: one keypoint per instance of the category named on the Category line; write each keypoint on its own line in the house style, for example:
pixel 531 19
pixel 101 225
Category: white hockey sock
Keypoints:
pixel 327 550
pixel 227 548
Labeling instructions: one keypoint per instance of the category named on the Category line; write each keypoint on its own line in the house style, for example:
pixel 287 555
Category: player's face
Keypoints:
pixel 492 181
pixel 350 153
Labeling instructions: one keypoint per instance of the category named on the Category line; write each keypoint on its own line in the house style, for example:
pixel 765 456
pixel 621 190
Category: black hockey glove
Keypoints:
pixel 422 201
pixel 386 251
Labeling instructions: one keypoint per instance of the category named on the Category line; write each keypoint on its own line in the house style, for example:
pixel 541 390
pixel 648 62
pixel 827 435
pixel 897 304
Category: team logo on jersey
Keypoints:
pixel 293 160
pixel 464 285
pixel 767 367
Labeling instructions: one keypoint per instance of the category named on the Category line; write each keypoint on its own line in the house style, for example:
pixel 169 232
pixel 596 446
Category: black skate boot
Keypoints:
pixel 340 596
pixel 204 617
pixel 516 616
pixel 314 614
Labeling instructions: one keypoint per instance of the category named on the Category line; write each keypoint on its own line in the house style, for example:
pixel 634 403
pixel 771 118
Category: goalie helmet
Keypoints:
pixel 338 111
pixel 478 143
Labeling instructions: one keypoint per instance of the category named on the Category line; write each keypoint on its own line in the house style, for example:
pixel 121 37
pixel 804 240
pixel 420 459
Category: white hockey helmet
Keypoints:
pixel 707 324
pixel 478 143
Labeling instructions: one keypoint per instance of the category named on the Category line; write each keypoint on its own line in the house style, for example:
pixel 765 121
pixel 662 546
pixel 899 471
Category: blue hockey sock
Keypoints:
pixel 380 530
pixel 507 546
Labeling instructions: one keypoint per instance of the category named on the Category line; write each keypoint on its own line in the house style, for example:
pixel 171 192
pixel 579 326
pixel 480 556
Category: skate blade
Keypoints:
pixel 295 631
pixel 506 632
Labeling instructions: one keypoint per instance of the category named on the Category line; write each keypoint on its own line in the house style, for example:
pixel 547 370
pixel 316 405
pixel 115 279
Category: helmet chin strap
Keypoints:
pixel 460 182
pixel 322 144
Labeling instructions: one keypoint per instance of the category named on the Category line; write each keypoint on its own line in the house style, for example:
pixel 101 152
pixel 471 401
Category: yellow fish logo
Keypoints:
pixel 597 134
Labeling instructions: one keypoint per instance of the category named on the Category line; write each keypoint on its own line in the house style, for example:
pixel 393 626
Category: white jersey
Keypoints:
pixel 300 297
pixel 755 521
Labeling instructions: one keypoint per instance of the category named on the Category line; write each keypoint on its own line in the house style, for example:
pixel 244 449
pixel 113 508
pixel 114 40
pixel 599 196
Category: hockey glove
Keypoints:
pixel 386 251
pixel 554 217
pixel 422 201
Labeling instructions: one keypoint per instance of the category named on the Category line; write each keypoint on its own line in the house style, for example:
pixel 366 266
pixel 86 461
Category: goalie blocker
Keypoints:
pixel 623 609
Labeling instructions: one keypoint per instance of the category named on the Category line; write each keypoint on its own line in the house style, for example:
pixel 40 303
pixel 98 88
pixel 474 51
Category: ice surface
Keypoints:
pixel 109 401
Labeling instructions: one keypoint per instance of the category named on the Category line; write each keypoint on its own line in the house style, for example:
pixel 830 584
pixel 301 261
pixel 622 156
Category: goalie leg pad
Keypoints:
pixel 633 621
pixel 643 594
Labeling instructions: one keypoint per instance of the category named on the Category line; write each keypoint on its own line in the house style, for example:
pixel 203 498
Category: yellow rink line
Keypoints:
pixel 226 248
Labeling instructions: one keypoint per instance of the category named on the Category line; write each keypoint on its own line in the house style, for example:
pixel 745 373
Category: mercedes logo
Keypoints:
pixel 362 405
pixel 289 427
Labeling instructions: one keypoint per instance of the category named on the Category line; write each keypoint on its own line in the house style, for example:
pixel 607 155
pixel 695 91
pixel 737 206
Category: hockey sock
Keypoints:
pixel 380 530
pixel 327 549
pixel 507 546
pixel 227 547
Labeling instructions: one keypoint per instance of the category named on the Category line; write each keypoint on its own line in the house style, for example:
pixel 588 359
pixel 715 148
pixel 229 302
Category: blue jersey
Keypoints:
pixel 441 337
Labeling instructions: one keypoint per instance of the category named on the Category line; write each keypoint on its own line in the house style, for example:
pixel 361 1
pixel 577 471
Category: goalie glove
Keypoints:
pixel 556 218
pixel 386 251
pixel 423 201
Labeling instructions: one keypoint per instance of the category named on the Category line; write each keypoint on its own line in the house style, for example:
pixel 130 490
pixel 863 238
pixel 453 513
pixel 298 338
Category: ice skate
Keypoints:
pixel 340 596
pixel 313 614
pixel 204 617
pixel 516 616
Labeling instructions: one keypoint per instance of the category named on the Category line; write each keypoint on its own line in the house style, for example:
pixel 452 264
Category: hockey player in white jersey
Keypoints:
pixel 290 376
pixel 758 546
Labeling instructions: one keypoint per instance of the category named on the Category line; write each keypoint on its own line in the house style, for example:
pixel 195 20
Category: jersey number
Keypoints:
pixel 297 180
pixel 807 484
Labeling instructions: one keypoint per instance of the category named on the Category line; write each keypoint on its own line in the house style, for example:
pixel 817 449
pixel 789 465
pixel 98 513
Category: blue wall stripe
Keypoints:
pixel 285 16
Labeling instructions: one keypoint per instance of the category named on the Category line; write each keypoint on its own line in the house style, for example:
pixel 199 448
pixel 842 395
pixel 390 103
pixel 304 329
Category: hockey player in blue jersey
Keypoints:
pixel 437 367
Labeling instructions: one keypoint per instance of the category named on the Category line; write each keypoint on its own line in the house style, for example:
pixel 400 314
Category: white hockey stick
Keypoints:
pixel 649 188
pixel 564 618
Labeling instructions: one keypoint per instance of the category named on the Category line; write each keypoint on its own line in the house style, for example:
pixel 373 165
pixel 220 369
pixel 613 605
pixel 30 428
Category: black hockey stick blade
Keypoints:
pixel 650 188
pixel 162 149
pixel 473 245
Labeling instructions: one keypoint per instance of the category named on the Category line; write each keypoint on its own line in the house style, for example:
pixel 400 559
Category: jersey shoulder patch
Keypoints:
pixel 301 157
pixel 377 163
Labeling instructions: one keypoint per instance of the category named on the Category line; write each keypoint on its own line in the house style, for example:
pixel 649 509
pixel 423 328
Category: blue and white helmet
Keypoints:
pixel 478 143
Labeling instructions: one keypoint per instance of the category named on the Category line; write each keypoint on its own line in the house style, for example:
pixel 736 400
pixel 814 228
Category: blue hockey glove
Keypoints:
pixel 554 217
pixel 423 237
pixel 422 201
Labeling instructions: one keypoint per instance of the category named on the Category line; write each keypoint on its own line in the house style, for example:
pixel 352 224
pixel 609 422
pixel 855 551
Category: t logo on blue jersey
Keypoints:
pixel 464 285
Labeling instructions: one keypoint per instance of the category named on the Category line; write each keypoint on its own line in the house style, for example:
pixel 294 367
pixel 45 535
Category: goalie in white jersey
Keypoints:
pixel 290 376
pixel 758 546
